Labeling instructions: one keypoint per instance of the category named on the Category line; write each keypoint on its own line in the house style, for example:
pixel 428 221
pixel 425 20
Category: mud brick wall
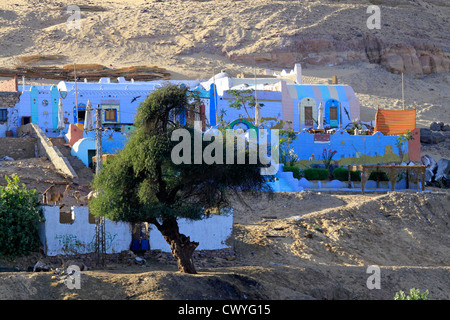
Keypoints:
pixel 9 99
pixel 9 85
pixel 18 148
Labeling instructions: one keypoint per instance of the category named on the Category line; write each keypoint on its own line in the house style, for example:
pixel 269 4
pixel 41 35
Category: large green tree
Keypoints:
pixel 143 184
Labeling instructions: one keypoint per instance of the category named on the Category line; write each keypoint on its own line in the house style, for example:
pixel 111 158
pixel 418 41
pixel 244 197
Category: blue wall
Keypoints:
pixel 345 144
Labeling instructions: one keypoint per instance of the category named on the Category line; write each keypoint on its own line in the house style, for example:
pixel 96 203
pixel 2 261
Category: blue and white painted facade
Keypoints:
pixel 40 102
pixel 284 97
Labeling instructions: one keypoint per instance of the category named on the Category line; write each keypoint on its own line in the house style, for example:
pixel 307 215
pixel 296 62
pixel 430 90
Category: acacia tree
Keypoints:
pixel 142 183
pixel 243 99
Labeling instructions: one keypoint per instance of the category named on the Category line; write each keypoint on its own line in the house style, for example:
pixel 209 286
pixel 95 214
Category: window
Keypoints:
pixel 110 115
pixel 333 113
pixel 3 115
pixel 308 116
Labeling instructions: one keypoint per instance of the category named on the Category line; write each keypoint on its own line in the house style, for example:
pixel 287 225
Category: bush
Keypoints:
pixel 298 174
pixel 341 174
pixel 382 176
pixel 414 294
pixel 20 214
pixel 316 174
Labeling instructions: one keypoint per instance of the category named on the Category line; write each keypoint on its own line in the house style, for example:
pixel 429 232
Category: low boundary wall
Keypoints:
pixel 211 233
pixel 78 237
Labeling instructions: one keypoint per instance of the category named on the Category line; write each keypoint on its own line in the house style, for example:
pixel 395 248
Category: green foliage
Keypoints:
pixel 317 174
pixel 402 138
pixel 354 125
pixel 327 157
pixel 341 174
pixel 298 174
pixel 20 214
pixel 382 176
pixel 243 99
pixel 414 294
pixel 287 136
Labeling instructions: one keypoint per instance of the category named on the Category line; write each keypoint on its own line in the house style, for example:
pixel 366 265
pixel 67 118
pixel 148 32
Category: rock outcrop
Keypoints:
pixel 438 132
pixel 413 58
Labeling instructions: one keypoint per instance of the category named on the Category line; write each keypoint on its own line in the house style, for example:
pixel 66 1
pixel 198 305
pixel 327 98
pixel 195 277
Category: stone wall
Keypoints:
pixel 18 148
pixel 45 148
pixel 8 99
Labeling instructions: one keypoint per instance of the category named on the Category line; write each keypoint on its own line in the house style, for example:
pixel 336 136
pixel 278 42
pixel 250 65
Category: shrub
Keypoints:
pixel 414 294
pixel 298 174
pixel 382 176
pixel 327 157
pixel 316 174
pixel 341 174
pixel 19 216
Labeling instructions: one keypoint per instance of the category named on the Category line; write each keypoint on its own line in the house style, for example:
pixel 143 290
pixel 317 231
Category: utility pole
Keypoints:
pixel 76 92
pixel 403 93
pixel 100 234
pixel 98 139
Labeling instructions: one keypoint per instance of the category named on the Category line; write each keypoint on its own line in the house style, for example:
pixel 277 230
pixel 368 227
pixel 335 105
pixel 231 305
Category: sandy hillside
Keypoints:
pixel 195 39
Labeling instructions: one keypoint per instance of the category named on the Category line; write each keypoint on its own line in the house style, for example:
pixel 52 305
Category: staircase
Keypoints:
pixel 85 174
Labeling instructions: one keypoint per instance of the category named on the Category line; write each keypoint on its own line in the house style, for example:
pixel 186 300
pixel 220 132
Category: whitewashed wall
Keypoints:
pixel 79 237
pixel 211 233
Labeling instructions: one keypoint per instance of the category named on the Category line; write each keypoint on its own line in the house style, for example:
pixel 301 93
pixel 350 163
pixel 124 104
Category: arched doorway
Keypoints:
pixel 244 125
pixel 307 113
pixel 333 116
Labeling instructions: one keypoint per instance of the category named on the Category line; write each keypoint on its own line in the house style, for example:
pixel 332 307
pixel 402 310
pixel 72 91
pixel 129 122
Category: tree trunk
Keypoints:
pixel 400 152
pixel 181 246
